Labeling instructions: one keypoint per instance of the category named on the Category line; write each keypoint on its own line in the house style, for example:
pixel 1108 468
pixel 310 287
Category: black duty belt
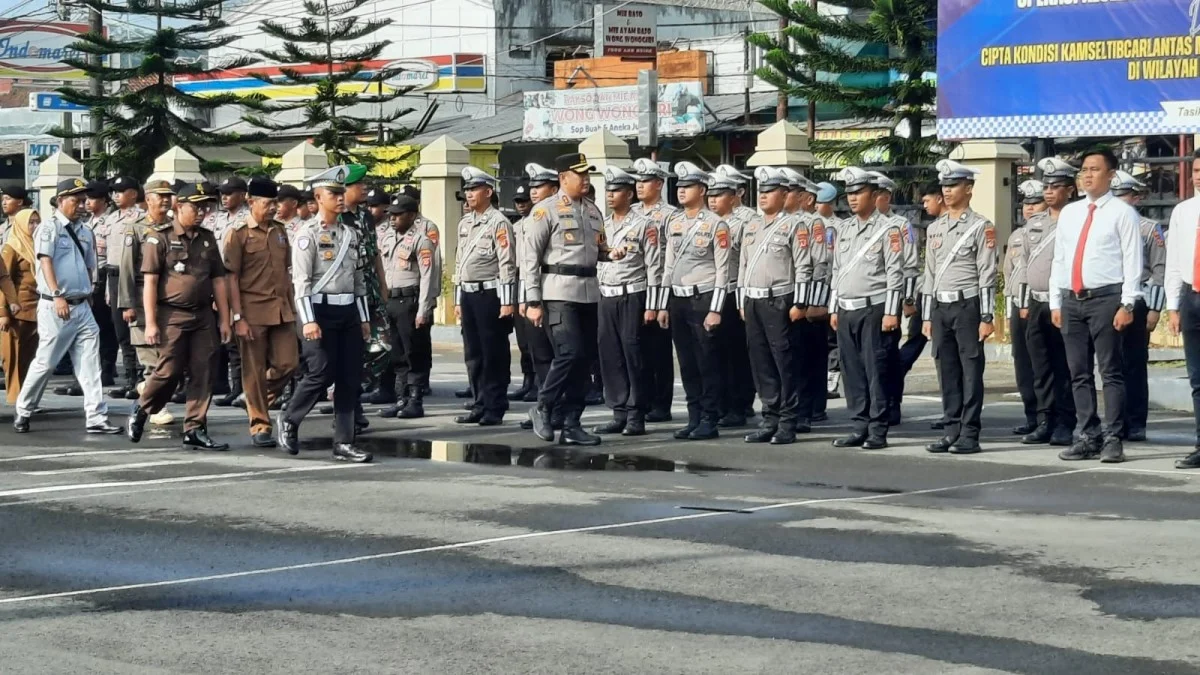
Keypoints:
pixel 70 301
pixel 569 270
pixel 406 292
pixel 1092 293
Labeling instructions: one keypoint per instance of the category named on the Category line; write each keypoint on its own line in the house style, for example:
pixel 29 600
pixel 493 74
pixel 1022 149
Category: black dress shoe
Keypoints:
pixel 759 435
pixel 937 425
pixel 197 439
pixel 1062 436
pixel 802 428
pixel 819 417
pixel 491 420
pixel 347 452
pixel 783 437
pixel 655 416
pixel 131 394
pixel 706 430
pixel 390 411
pixel 539 421
pixel 1192 461
pixel 463 393
pixel 263 439
pixel 472 417
pixel 1038 436
pixel 1113 451
pixel 361 425
pixel 413 408
pixel 240 402
pixel 525 424
pixel 179 398
pixel 104 428
pixel 874 443
pixel 634 427
pixel 518 394
pixel 1136 436
pixel 285 433
pixel 1022 429
pixel 531 396
pixel 68 390
pixel 1084 448
pixel 610 427
pixel 851 441
pixel 574 435
pixel 227 400
pixel 965 446
pixel 137 422
pixel 940 445
pixel 21 424
pixel 325 410
pixel 558 419
pixel 118 393
pixel 732 420
pixel 684 433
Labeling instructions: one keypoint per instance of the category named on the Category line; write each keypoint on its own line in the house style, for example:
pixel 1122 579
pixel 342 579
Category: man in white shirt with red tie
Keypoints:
pixel 1183 299
pixel 1095 279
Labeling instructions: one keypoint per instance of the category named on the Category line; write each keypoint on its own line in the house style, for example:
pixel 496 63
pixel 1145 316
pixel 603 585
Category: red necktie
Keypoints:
pixel 1077 266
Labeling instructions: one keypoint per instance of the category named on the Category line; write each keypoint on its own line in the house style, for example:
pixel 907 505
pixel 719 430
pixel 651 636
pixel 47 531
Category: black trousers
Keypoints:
pixel 660 367
pixel 104 321
pixel 960 360
pixel 1135 340
pixel 622 339
pixel 571 327
pixel 774 348
pixel 810 347
pixel 863 352
pixel 738 393
pixel 522 328
pixel 1022 363
pixel 1189 324
pixel 1051 375
pixel 906 355
pixel 334 359
pixel 485 351
pixel 699 356
pixel 129 359
pixel 412 348
pixel 1090 339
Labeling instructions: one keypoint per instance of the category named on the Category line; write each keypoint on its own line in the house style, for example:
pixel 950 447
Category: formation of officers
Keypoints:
pixel 746 299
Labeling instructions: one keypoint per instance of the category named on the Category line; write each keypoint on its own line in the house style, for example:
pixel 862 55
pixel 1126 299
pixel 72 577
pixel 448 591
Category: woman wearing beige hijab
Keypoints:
pixel 18 314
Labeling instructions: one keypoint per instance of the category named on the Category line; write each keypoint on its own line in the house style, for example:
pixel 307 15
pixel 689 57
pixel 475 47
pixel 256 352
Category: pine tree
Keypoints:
pixel 824 69
pixel 317 39
pixel 147 115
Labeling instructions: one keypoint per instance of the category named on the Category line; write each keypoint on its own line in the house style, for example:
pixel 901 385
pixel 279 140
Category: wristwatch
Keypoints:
pixel 986 318
pixel 58 293
pixel 1127 307
pixel 237 318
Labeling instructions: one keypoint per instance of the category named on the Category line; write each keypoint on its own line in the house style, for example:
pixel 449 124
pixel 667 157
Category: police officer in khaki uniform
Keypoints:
pixel 183 276
pixel 737 396
pixel 118 225
pixel 774 248
pixel 1146 311
pixel 1033 203
pixel 628 291
pixel 331 304
pixel 864 304
pixel 565 240
pixel 257 256
pixel 543 184
pixel 651 178
pixel 695 284
pixel 485 298
pixel 414 277
pixel 1043 340
pixel 959 286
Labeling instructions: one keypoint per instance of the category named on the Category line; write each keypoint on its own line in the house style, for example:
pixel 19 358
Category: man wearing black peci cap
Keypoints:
pixel 66 256
pixel 565 239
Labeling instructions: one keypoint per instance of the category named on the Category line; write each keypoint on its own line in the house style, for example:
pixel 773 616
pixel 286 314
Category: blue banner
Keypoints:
pixel 1047 68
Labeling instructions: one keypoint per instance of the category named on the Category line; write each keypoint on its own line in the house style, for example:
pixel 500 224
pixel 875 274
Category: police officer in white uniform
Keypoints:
pixel 1033 205
pixel 651 178
pixel 66 254
pixel 543 183
pixel 737 398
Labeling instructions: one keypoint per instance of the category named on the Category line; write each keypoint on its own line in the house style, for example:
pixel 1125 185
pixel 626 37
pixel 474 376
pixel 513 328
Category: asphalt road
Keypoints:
pixel 484 550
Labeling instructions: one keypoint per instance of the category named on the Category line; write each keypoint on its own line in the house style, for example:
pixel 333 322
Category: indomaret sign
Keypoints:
pixel 630 32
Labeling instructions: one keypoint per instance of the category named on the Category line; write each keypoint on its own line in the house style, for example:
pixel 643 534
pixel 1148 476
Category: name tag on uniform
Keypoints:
pixel 176 246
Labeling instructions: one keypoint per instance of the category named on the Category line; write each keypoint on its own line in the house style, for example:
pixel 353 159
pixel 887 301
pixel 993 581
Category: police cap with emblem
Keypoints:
pixel 70 186
pixel 770 179
pixel 793 179
pixel 378 197
pixel 883 182
pixel 197 193
pixel 687 174
pixel 616 178
pixel 97 189
pixel 122 183
pixel 231 185
pixel 573 161
pixel 951 172
pixel 289 192
pixel 1124 183
pixel 1055 171
pixel 522 193
pixel 332 179
pixel 856 179
pixel 1031 192
pixel 402 204
pixel 262 187
pixel 538 175
pixel 159 187
pixel 730 173
pixel 721 184
pixel 473 178
pixel 826 193
pixel 647 169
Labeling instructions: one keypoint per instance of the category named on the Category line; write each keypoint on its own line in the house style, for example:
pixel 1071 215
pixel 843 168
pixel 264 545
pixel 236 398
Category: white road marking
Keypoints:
pixel 497 540
pixel 178 479
pixel 919 397
pixel 82 453
pixel 1170 419
pixel 1180 473
pixel 108 467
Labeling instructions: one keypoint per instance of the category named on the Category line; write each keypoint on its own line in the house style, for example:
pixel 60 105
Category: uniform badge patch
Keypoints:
pixel 935 241
pixel 818 231
pixel 327 255
pixel 830 240
pixel 1157 233
pixel 802 237
pixel 569 236
pixel 723 238
pixel 426 258
pixel 154 241
pixel 301 242
pixel 894 241
pixel 677 228
pixel 179 267
pixel 706 227
pixel 502 237
pixel 325 239
pixel 433 236
pixel 989 236
pixel 652 235
pixel 539 212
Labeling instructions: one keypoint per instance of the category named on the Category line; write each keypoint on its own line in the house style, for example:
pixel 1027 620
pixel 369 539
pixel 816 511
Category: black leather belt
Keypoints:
pixel 70 301
pixel 569 270
pixel 1092 293
pixel 406 292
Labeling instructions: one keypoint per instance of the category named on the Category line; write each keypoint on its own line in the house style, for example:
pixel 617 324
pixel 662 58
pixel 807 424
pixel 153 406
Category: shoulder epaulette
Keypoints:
pixel 162 228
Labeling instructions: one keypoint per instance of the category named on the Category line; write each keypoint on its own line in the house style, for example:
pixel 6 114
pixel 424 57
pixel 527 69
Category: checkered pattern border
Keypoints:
pixel 1052 126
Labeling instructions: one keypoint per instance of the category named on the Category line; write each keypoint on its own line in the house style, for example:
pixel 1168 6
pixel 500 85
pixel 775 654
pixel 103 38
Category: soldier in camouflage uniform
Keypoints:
pixel 959 288
pixel 1146 311
pixel 660 362
pixel 737 396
